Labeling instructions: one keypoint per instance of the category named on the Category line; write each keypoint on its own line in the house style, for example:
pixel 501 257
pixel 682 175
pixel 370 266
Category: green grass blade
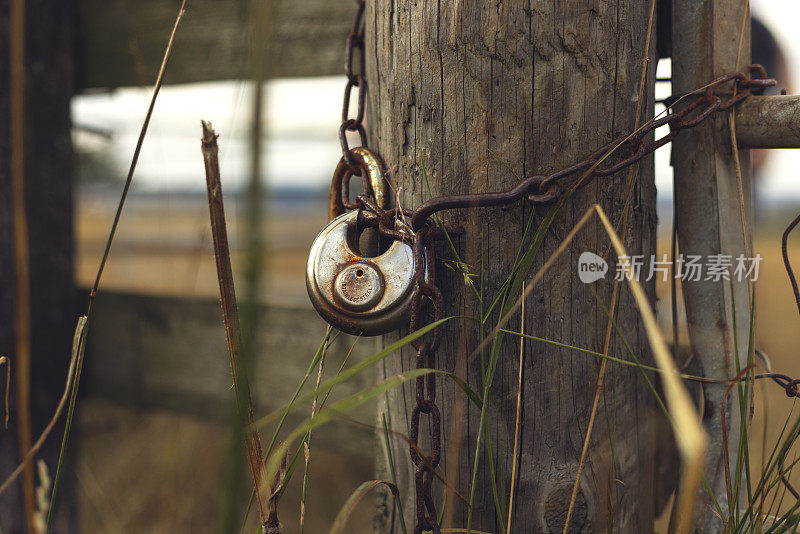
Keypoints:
pixel 78 351
pixel 314 361
pixel 313 365
pixel 514 288
pixel 390 459
pixel 329 384
pixel 343 406
pixel 339 524
pixel 490 459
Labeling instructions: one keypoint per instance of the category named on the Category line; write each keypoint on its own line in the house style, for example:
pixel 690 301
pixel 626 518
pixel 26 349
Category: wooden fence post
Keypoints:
pixel 705 44
pixel 473 96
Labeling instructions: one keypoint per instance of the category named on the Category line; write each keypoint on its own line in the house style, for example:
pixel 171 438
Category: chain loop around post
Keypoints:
pixel 416 227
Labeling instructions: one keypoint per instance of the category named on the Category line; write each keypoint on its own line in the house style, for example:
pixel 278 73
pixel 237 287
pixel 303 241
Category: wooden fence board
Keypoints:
pixel 170 353
pixel 122 41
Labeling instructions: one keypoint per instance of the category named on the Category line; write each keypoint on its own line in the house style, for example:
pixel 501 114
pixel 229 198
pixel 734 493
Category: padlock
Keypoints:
pixel 357 294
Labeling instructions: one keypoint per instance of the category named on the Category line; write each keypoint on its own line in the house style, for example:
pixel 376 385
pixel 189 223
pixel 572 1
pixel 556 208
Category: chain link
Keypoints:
pixel 354 69
pixel 426 464
pixel 374 215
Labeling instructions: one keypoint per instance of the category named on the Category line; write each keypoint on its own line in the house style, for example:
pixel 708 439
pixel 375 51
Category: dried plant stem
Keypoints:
pixel 22 365
pixel 4 360
pixel 273 524
pixel 339 525
pixel 140 141
pixel 734 145
pixel 230 313
pixel 78 346
pixel 112 233
pixel 737 165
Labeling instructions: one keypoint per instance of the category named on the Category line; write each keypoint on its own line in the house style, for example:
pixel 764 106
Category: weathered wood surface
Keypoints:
pixel 122 41
pixel 481 94
pixel 48 184
pixel 705 43
pixel 170 353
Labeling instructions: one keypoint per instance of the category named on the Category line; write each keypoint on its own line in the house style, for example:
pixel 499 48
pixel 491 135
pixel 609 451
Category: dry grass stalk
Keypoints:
pixel 615 291
pixel 219 232
pixel 76 359
pixel 515 456
pixel 17 17
pixel 16 56
pixel 307 442
pixel 4 360
pixel 339 525
pixel 42 498
pixel 273 524
pixel 689 433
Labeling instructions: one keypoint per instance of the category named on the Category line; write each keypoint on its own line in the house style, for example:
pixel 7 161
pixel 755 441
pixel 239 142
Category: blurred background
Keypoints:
pixel 151 428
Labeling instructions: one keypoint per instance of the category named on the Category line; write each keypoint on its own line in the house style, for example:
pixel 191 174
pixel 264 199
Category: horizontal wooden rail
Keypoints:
pixel 121 42
pixel 170 353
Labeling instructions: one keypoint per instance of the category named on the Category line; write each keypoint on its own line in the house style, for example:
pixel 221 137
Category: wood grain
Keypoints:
pixel 478 95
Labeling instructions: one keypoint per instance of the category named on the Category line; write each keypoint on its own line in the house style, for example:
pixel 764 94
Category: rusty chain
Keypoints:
pixel 541 189
pixel 425 273
pixel 786 263
pixel 427 517
pixel 355 78
pixel 546 189
pixel 414 226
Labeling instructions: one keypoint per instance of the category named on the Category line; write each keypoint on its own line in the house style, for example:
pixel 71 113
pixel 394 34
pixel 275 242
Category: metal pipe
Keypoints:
pixel 769 122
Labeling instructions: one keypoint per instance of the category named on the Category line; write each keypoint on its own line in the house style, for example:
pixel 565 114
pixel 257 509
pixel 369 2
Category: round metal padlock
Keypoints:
pixel 357 294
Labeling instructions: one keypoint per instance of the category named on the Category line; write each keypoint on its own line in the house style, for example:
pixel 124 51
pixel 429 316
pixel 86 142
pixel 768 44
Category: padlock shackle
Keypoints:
pixel 372 174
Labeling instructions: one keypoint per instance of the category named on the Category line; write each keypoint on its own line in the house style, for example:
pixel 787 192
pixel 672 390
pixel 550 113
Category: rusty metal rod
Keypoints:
pixel 769 122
